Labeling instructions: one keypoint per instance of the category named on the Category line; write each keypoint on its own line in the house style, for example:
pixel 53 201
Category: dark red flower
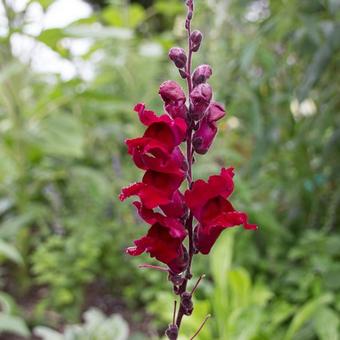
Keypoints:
pixel 165 244
pixel 177 207
pixel 168 131
pixel 156 188
pixel 214 213
pixel 158 148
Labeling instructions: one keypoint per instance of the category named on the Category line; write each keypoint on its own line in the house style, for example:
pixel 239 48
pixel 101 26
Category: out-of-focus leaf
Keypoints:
pixel 13 324
pixel 62 135
pixel 10 252
pixel 131 17
pixel 98 32
pixel 168 7
pixel 46 333
pixel 44 3
pixel 305 313
pixel 221 258
pixel 327 324
pixel 320 61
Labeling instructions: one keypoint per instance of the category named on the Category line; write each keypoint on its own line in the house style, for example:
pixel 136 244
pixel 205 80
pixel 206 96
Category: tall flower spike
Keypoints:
pixel 169 210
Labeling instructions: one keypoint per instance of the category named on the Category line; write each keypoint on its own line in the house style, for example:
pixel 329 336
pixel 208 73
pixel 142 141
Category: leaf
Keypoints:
pixel 98 32
pixel 46 333
pixel 8 305
pixel 326 324
pixel 240 286
pixel 10 252
pixel 62 135
pixel 132 17
pixel 13 324
pixel 221 258
pixel 45 3
pixel 305 313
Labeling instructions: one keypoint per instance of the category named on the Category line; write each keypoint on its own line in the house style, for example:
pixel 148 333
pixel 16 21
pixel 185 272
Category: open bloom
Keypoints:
pixel 214 213
pixel 163 243
pixel 163 240
pixel 158 148
pixel 156 188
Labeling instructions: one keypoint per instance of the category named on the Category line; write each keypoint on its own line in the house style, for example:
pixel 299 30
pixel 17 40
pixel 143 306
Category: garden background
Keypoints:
pixel 70 74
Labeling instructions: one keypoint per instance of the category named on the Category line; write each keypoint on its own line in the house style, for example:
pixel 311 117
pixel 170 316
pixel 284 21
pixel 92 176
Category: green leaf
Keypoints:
pixel 221 258
pixel 10 252
pixel 132 17
pixel 327 324
pixel 62 135
pixel 46 333
pixel 305 313
pixel 13 324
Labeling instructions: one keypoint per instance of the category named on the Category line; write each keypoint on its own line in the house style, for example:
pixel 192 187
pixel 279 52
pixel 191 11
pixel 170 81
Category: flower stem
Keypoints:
pixel 189 222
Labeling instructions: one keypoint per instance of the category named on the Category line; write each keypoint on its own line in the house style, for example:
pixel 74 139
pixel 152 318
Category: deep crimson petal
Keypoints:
pixel 176 208
pixel 167 183
pixel 131 190
pixel 160 244
pixel 175 227
pixel 147 117
pixel 201 191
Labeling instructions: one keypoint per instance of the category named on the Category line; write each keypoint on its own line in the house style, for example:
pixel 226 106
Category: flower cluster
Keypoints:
pixel 163 201
pixel 158 153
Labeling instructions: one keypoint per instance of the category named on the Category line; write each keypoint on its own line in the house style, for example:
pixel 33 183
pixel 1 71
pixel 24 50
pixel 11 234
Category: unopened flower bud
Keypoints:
pixel 186 302
pixel 207 130
pixel 171 92
pixel 174 99
pixel 175 279
pixel 201 74
pixel 196 38
pixel 200 98
pixel 178 56
pixel 172 332
pixel 215 112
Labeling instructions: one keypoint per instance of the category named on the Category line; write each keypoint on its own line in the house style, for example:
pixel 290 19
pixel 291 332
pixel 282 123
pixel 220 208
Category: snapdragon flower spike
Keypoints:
pixel 207 129
pixel 170 215
pixel 214 213
pixel 174 99
pixel 200 98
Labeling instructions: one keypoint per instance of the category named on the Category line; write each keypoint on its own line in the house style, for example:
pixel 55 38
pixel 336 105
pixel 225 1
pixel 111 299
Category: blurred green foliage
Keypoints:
pixel 63 162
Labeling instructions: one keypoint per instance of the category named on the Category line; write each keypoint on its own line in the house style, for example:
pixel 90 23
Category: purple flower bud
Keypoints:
pixel 171 92
pixel 174 99
pixel 178 56
pixel 196 38
pixel 207 130
pixel 200 98
pixel 215 112
pixel 186 302
pixel 172 332
pixel 201 74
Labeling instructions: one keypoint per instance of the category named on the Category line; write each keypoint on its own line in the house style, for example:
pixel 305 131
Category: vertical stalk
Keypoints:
pixel 189 222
